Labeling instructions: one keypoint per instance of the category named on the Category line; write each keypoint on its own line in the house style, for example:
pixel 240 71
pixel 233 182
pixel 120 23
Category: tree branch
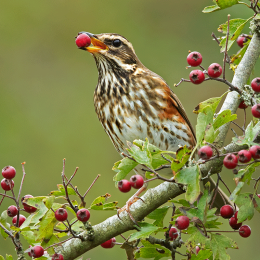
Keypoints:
pixel 114 226
pixel 240 78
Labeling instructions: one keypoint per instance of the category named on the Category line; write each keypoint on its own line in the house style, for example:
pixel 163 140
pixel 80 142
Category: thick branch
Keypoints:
pixel 241 76
pixel 113 226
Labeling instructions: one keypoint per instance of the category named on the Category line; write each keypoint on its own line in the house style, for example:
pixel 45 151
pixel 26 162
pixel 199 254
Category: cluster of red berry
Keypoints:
pixel 194 59
pixel 231 160
pixel 182 222
pixel 228 212
pixel 136 181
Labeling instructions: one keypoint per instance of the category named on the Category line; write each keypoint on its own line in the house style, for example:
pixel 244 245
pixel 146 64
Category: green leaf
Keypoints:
pixel 123 167
pixel 29 236
pixel 1 258
pixel 142 155
pixel 204 118
pixel 246 174
pixel 210 134
pixel 110 205
pixel 246 206
pixel 61 191
pixel 210 9
pixel 158 160
pixel 235 28
pixel 211 102
pixel 48 242
pixel 3 221
pixel 195 238
pixel 146 230
pixel 219 244
pixel 182 156
pixel 256 202
pixel 226 3
pixel 9 257
pixel 236 191
pixel 249 136
pixel 236 58
pixel 158 215
pixel 98 203
pixel 46 226
pixel 182 202
pixel 223 118
pixel 190 176
pixel 202 255
pixel 154 251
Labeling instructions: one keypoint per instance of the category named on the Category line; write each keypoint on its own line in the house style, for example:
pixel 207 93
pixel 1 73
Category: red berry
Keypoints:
pixel 241 41
pixel 28 208
pixel 194 59
pixel 256 110
pixel 255 84
pixel 197 249
pixel 230 161
pixel 245 231
pixel 83 40
pixel 12 211
pixel 233 223
pixel 205 152
pixel 22 218
pixel 7 184
pixel 124 185
pixel 244 156
pixel 173 233
pixel 242 105
pixel 37 251
pixel 197 76
pixel 255 151
pixel 61 214
pixel 226 211
pixel 137 181
pixel 83 215
pixel 214 70
pixel 258 195
pixel 182 222
pixel 57 257
pixel 109 243
pixel 8 172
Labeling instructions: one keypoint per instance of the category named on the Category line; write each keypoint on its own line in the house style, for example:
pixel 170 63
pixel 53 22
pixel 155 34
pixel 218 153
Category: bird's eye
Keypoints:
pixel 117 43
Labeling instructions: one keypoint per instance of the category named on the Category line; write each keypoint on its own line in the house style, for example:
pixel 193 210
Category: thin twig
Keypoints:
pixel 58 243
pixel 182 80
pixel 91 185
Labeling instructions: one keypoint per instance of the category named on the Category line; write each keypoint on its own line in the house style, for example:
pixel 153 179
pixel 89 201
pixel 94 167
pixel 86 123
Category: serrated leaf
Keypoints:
pixel 246 206
pixel 236 58
pixel 29 236
pixel 99 202
pixel 1 258
pixel 8 257
pixel 61 191
pixel 246 174
pixel 211 102
pixel 182 202
pixel 158 215
pixel 110 205
pixel 48 242
pixel 3 221
pixel 48 201
pixel 226 3
pixel 123 167
pixel 141 155
pixel 182 156
pixel 158 160
pixel 257 202
pixel 202 255
pixel 223 118
pixel 210 134
pixel 210 9
pixel 204 118
pixel 146 230
pixel 219 243
pixel 46 226
pixel 190 176
pixel 249 136
pixel 154 251
pixel 195 238
pixel 236 191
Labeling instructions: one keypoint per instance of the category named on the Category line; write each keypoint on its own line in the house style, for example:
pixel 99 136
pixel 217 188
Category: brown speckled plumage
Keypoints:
pixel 133 102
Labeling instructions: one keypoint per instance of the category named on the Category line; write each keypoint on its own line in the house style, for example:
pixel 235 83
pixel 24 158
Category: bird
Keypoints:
pixel 132 102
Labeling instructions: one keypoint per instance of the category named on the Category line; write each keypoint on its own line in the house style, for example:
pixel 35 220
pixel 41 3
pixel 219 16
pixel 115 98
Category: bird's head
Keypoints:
pixel 112 51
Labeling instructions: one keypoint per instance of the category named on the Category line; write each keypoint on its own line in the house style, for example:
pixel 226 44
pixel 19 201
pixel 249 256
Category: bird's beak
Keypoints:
pixel 96 46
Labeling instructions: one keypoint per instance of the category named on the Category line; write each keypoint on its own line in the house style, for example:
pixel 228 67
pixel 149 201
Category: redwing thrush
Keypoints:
pixel 133 102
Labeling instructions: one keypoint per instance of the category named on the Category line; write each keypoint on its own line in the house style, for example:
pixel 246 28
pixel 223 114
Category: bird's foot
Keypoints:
pixel 132 200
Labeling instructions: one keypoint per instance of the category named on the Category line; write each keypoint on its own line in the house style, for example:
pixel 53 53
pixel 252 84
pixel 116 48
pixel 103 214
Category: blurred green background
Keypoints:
pixel 47 85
